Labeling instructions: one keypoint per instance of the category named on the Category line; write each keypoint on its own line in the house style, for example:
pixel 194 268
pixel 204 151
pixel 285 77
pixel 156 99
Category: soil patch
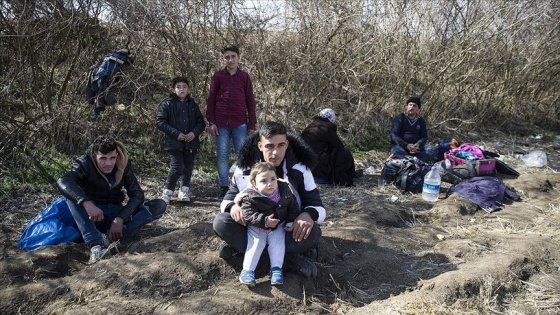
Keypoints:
pixel 378 255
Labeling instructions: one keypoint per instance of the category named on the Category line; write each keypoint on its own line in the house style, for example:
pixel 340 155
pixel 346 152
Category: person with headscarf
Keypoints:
pixel 335 162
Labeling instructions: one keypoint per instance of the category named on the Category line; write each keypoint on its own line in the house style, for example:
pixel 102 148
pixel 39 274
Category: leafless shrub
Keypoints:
pixel 477 64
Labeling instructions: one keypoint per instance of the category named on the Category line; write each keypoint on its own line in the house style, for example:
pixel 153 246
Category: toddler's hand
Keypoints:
pixel 271 222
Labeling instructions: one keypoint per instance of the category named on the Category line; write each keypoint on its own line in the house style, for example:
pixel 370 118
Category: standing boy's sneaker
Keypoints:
pixel 276 276
pixel 167 193
pixel 184 194
pixel 247 277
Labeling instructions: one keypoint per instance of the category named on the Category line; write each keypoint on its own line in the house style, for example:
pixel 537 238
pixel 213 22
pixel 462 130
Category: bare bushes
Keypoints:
pixel 476 64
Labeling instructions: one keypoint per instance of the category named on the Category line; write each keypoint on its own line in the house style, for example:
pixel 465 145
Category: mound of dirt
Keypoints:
pixel 378 255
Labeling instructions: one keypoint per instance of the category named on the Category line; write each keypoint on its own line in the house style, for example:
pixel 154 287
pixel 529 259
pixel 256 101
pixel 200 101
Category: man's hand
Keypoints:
pixel 116 230
pixel 182 137
pixel 95 214
pixel 413 147
pixel 302 226
pixel 214 130
pixel 237 215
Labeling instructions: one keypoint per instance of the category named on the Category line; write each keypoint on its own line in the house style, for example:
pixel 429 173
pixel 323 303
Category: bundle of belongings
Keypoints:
pixel 468 161
pixel 472 172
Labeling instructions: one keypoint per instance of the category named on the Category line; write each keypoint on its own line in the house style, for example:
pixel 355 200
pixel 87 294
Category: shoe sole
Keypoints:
pixel 249 284
pixel 277 283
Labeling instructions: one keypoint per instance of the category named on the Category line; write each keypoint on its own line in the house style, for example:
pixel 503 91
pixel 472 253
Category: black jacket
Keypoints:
pixel 257 207
pixel 86 182
pixel 175 116
pixel 296 168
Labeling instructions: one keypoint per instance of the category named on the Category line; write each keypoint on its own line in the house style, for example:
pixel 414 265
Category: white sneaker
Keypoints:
pixel 167 195
pixel 97 252
pixel 184 194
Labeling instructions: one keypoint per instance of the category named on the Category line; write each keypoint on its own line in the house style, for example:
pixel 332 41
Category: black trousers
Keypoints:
pixel 182 163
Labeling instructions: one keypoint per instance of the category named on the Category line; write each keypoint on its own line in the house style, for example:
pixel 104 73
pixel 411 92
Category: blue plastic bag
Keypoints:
pixel 53 225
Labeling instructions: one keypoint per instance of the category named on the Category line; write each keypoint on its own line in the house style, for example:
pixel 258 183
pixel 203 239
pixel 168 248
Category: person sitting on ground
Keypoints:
pixel 94 192
pixel 180 119
pixel 335 163
pixel 409 133
pixel 293 159
pixel 269 208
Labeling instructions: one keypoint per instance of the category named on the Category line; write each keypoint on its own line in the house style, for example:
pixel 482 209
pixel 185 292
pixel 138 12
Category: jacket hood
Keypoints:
pixel 122 160
pixel 298 151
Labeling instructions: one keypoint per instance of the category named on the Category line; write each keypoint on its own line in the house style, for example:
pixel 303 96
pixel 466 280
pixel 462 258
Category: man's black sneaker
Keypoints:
pixel 225 251
pixel 223 191
pixel 301 265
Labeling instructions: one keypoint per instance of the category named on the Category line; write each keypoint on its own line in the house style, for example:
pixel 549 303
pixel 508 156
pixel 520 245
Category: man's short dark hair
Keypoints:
pixel 104 145
pixel 230 48
pixel 179 80
pixel 272 128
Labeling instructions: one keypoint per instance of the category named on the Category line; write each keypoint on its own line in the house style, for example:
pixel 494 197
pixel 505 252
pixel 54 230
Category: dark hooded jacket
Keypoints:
pixel 86 182
pixel 296 169
pixel 335 162
pixel 174 117
pixel 257 207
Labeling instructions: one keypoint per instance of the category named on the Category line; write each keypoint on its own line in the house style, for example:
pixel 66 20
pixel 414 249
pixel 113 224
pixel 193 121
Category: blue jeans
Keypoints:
pixel 428 154
pixel 238 135
pixel 91 231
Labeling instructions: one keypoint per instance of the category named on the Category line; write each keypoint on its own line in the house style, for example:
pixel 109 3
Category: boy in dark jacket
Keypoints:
pixel 180 119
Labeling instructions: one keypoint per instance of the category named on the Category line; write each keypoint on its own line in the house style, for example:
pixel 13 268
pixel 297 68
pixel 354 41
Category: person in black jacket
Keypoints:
pixel 94 192
pixel 335 163
pixel 180 119
pixel 293 160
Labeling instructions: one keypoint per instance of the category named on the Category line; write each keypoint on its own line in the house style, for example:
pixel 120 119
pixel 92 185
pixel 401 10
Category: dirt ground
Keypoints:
pixel 377 256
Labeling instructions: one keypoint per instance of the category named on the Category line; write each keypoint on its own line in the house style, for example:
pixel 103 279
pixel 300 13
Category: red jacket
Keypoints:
pixel 231 102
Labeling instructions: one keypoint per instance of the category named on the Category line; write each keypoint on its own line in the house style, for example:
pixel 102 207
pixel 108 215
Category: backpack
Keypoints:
pixel 406 173
pixel 469 169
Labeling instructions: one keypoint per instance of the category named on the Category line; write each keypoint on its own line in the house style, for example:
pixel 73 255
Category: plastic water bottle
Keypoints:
pixel 432 182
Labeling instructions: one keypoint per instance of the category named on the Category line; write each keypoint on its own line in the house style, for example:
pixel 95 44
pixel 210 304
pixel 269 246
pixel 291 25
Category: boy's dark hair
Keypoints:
pixel 179 80
pixel 230 48
pixel 104 145
pixel 260 167
pixel 272 128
